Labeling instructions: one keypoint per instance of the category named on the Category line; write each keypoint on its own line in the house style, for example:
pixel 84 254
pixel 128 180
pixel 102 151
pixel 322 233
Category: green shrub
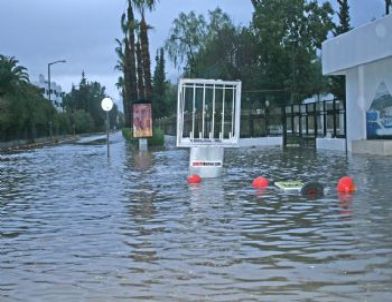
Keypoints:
pixel 156 140
pixel 127 134
pixel 83 122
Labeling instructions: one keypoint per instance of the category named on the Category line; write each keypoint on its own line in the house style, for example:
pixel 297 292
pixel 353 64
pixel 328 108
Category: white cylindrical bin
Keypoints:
pixel 206 161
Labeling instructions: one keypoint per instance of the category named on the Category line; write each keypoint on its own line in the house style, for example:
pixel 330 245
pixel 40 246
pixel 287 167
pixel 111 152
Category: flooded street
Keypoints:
pixel 75 226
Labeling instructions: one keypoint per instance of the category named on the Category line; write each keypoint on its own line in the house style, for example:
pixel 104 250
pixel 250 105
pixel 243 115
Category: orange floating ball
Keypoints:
pixel 346 185
pixel 260 182
pixel 194 179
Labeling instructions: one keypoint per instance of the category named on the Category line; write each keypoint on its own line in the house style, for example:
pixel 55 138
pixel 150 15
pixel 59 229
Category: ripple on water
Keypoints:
pixel 74 224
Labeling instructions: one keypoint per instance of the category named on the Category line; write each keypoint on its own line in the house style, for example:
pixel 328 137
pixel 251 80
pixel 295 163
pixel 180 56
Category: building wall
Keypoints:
pixel 56 95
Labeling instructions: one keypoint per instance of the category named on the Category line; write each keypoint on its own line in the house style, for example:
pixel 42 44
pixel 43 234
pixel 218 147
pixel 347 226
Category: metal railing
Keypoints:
pixel 293 122
pixel 306 122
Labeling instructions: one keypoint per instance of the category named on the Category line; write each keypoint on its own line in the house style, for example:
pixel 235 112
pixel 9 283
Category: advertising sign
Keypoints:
pixel 142 120
pixel 379 116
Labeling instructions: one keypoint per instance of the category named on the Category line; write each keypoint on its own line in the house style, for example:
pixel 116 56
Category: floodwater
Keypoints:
pixel 75 226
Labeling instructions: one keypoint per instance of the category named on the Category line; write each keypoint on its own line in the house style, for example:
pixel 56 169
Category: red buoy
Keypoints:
pixel 260 182
pixel 346 185
pixel 194 179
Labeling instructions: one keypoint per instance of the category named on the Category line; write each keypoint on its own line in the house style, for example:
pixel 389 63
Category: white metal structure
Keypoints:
pixel 208 113
pixel 208 119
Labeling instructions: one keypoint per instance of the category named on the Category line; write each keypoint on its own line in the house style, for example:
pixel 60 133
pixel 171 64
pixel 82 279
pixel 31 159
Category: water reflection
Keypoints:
pixel 75 225
pixel 346 203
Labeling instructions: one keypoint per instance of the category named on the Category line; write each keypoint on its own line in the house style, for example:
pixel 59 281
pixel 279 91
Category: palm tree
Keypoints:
pixel 140 75
pixel 121 86
pixel 130 51
pixel 255 3
pixel 125 51
pixel 12 75
pixel 142 5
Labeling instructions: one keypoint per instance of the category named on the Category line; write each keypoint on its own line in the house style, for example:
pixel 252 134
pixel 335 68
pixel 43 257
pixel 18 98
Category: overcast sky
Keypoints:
pixel 83 31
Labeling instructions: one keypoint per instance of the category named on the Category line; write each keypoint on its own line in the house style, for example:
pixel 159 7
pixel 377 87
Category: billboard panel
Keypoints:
pixel 142 120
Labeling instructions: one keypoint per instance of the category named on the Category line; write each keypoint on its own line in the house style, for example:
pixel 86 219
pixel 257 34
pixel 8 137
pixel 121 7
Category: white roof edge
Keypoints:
pixel 365 44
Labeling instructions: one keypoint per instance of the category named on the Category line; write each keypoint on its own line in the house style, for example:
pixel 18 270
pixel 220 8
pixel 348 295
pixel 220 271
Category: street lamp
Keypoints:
pixel 50 64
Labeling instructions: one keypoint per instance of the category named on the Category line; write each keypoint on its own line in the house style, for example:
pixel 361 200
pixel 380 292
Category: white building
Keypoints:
pixel 364 56
pixel 56 95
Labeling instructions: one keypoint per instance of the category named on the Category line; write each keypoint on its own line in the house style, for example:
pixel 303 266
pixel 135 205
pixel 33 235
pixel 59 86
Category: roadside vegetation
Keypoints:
pixel 26 114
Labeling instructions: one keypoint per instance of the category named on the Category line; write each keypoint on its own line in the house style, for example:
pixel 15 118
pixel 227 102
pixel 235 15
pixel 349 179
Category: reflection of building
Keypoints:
pixel 56 92
pixel 364 56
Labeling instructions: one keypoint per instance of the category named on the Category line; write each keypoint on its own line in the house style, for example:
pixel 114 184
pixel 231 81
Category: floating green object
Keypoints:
pixel 312 189
pixel 293 185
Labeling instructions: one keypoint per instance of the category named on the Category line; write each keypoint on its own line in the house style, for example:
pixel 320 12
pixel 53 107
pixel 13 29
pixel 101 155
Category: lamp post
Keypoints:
pixel 50 64
pixel 107 105
pixel 49 92
pixel 267 103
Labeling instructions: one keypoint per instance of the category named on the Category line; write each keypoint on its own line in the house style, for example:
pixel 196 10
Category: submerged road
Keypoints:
pixel 76 226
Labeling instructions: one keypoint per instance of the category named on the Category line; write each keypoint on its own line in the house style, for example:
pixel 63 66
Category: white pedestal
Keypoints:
pixel 143 144
pixel 206 161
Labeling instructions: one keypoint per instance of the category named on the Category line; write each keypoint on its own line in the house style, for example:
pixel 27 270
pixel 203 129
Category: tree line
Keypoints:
pixel 26 114
pixel 276 56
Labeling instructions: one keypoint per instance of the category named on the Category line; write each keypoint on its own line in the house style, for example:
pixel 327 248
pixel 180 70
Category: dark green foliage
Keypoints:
pixel 83 104
pixel 83 122
pixel 146 61
pixel 275 57
pixel 134 57
pixel 289 33
pixel 126 62
pixel 344 18
pixel 140 78
pixel 255 3
pixel 338 83
pixel 159 105
pixel 218 56
pixel 186 39
pixel 12 75
pixel 24 112
pixel 156 140
pixel 127 134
